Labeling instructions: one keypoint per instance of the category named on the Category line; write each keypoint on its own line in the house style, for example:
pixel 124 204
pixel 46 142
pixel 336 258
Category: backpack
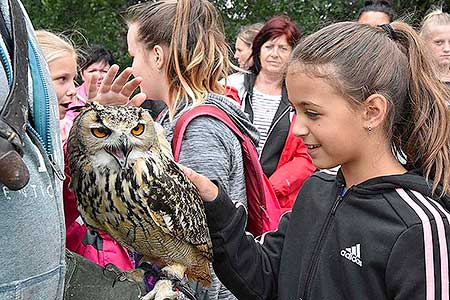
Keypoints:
pixel 263 209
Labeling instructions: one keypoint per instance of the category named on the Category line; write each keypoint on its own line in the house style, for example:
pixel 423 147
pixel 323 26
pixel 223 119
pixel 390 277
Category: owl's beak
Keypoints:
pixel 120 153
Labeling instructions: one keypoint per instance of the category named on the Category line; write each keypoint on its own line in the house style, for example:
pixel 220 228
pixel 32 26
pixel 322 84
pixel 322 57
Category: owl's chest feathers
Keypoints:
pixel 128 192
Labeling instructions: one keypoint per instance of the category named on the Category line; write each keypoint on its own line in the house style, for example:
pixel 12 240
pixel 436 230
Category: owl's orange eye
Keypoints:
pixel 100 132
pixel 138 130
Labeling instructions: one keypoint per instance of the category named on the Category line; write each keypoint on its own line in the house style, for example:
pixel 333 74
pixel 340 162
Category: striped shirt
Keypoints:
pixel 264 109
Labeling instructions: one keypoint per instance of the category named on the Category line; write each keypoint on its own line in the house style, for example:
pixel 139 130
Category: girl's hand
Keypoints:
pixel 115 91
pixel 208 190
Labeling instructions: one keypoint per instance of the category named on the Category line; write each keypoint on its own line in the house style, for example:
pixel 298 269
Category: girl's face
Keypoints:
pixel 144 65
pixel 100 68
pixel 63 71
pixel 332 130
pixel 242 53
pixel 274 55
pixel 438 39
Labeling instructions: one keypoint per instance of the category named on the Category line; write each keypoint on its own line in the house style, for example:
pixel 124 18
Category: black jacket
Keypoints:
pixel 279 128
pixel 368 244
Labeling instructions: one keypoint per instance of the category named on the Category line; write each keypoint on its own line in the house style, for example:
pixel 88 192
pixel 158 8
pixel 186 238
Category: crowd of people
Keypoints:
pixel 351 125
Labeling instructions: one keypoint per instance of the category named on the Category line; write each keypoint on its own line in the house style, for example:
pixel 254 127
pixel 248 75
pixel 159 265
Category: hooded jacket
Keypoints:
pixel 32 222
pixel 385 238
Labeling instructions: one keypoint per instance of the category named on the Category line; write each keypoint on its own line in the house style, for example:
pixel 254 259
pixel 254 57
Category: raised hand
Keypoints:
pixel 115 90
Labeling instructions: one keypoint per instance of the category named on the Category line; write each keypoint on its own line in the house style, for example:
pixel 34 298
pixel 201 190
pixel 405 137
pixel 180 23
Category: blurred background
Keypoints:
pixel 100 22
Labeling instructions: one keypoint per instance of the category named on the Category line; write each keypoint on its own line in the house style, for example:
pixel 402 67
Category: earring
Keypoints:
pixel 369 129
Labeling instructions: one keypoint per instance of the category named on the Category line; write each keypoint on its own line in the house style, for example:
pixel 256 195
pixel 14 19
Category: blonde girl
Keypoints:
pixel 61 58
pixel 377 229
pixel 436 32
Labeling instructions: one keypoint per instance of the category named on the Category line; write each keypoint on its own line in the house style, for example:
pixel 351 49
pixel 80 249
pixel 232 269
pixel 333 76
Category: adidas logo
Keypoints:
pixel 353 254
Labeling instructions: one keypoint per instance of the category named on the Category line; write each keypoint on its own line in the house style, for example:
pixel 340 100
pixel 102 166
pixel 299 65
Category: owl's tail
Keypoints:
pixel 200 272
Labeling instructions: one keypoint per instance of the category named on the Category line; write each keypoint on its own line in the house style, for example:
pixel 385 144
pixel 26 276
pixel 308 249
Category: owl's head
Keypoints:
pixel 113 135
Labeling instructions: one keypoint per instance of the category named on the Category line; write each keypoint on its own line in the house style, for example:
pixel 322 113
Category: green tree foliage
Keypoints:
pixel 84 21
pixel 99 21
pixel 310 14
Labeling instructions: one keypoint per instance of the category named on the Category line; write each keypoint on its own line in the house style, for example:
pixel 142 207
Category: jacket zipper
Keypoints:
pixel 43 114
pixel 45 146
pixel 315 259
pixel 6 65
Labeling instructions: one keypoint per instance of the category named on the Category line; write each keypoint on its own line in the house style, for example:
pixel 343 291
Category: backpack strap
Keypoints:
pixel 14 111
pixel 263 208
pixel 201 110
pixel 13 171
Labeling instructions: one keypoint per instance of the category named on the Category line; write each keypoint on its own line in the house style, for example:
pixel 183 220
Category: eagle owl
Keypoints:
pixel 128 185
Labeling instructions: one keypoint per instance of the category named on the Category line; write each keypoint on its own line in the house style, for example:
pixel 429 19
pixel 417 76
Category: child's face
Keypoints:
pixel 438 39
pixel 63 71
pixel 331 129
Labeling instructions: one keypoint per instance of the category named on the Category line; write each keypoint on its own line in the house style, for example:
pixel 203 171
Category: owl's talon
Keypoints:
pixel 120 275
pixel 163 290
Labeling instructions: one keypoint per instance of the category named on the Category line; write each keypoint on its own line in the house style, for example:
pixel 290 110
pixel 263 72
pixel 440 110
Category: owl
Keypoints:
pixel 128 185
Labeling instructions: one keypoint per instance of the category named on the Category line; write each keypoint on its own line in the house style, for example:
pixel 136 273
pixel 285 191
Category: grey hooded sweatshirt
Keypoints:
pixel 210 148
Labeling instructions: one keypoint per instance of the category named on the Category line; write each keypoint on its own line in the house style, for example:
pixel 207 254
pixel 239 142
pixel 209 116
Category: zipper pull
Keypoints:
pixel 338 200
pixel 61 176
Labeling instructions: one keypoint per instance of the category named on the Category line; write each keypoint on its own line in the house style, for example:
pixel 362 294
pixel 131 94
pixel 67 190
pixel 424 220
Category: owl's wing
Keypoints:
pixel 175 204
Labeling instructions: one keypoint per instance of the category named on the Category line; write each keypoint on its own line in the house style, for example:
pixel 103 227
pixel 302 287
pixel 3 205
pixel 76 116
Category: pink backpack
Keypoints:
pixel 264 211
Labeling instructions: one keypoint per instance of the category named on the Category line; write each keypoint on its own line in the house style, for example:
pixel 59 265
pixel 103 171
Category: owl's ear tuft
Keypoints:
pixel 94 105
pixel 90 105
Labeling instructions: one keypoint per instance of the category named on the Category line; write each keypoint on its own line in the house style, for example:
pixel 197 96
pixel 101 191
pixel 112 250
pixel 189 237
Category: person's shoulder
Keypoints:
pixel 319 180
pixel 210 126
pixel 236 80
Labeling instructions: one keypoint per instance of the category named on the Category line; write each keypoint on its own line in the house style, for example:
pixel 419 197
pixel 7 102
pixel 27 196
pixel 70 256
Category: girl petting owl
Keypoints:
pixel 364 96
pixel 181 65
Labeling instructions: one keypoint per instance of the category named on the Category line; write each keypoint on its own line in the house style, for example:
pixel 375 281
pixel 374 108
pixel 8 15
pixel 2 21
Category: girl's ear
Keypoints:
pixel 160 56
pixel 374 111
